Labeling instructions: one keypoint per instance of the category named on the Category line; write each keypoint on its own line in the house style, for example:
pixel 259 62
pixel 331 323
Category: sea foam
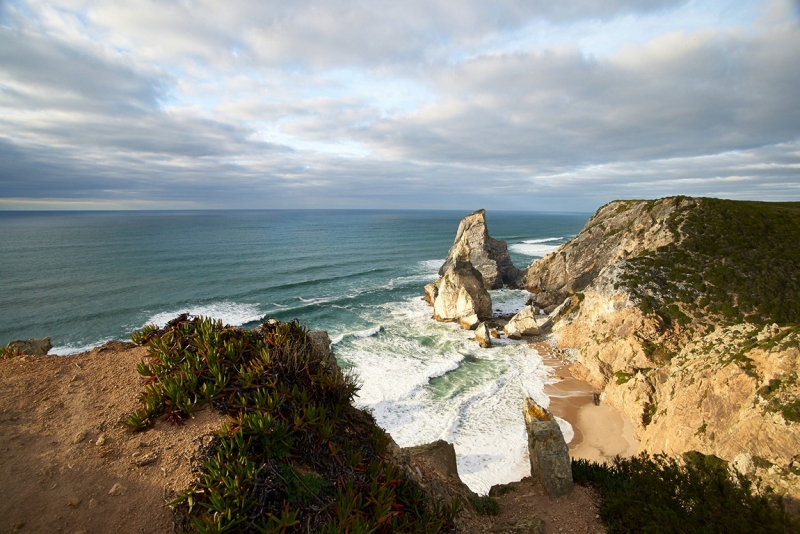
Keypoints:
pixel 232 313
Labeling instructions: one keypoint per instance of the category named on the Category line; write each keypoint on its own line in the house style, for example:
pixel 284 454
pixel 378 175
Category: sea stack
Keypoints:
pixel 487 255
pixel 459 295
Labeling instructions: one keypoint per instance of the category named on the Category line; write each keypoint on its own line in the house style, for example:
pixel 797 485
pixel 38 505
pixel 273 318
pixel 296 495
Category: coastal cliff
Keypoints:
pixel 684 312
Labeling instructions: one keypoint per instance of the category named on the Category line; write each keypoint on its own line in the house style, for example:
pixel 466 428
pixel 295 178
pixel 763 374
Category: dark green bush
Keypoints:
pixel 658 494
pixel 484 505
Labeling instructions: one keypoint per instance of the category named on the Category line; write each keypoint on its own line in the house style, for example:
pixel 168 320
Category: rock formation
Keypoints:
pixel 483 336
pixel 695 363
pixel 32 347
pixel 487 255
pixel 460 292
pixel 549 454
pixel 527 323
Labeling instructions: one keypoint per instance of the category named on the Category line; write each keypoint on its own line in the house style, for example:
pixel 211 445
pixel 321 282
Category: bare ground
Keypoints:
pixel 69 464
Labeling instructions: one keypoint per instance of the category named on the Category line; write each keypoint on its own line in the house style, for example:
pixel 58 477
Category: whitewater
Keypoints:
pixel 87 278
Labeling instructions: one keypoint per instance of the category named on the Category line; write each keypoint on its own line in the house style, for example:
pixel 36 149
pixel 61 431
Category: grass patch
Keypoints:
pixel 294 455
pixel 658 494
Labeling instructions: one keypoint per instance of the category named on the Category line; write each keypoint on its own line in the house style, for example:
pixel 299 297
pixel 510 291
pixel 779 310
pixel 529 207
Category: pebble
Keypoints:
pixel 117 490
pixel 80 436
pixel 101 440
pixel 74 503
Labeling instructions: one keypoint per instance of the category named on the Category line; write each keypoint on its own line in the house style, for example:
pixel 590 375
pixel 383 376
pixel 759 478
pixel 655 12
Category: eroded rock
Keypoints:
pixel 525 323
pixel 483 336
pixel 489 256
pixel 549 454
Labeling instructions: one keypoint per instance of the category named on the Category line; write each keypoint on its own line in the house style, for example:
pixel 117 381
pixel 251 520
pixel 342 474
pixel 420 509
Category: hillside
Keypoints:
pixel 685 312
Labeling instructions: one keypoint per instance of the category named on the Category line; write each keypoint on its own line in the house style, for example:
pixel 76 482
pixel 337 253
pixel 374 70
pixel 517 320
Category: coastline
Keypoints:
pixel 600 432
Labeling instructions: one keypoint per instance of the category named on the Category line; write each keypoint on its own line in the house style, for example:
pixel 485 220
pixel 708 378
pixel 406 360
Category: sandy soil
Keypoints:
pixel 67 462
pixel 601 432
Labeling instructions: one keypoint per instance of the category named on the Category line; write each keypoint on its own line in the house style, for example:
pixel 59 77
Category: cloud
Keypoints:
pixel 380 104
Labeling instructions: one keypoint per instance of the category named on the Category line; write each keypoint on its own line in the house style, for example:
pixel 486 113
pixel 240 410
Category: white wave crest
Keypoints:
pixel 232 313
pixel 534 249
pixel 545 240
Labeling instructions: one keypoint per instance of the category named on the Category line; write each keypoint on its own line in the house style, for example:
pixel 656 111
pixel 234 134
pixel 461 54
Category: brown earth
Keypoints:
pixel 69 464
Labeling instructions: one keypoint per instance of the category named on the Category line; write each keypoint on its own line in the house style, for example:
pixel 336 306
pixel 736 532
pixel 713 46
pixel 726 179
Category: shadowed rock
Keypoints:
pixel 526 323
pixel 549 454
pixel 32 347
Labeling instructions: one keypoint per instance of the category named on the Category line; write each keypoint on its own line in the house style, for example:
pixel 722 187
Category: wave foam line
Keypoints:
pixel 232 313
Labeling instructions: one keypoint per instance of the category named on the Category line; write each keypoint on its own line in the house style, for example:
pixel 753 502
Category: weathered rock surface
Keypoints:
pixel 483 336
pixel 549 454
pixel 526 323
pixel 460 292
pixel 719 389
pixel 33 346
pixel 489 256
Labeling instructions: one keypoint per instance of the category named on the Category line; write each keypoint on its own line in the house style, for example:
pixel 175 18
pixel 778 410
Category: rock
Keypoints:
pixel 527 322
pixel 321 348
pixel 489 256
pixel 74 503
pixel 33 346
pixel 117 490
pixel 431 290
pixel 101 440
pixel 549 454
pixel 483 336
pixel 439 455
pixel 80 436
pixel 495 333
pixel 470 322
pixel 743 464
pixel 460 292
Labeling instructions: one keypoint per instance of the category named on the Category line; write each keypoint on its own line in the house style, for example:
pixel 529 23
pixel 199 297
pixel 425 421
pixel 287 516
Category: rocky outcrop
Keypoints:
pixel 686 376
pixel 527 323
pixel 483 336
pixel 549 454
pixel 31 347
pixel 460 292
pixel 618 230
pixel 489 256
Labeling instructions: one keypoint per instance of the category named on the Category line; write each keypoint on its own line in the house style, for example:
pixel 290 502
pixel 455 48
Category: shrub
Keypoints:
pixel 295 455
pixel 658 494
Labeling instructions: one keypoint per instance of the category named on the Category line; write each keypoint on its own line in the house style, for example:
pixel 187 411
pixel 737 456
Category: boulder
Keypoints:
pixel 33 346
pixel 483 336
pixel 526 323
pixel 489 256
pixel 431 291
pixel 460 292
pixel 549 454
pixel 470 322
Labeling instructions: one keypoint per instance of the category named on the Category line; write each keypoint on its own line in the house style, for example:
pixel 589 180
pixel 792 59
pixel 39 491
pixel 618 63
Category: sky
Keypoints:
pixel 528 105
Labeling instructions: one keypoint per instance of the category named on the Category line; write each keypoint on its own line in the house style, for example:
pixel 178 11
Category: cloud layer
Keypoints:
pixel 505 105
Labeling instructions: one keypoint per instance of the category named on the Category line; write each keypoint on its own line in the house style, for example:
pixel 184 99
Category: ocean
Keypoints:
pixel 85 278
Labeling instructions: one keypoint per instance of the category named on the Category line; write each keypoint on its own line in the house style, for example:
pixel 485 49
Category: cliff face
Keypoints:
pixel 684 313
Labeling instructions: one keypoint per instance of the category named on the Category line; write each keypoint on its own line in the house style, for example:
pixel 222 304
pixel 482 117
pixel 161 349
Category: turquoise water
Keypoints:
pixel 85 278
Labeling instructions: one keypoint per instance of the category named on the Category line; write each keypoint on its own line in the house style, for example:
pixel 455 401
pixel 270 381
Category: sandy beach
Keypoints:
pixel 601 432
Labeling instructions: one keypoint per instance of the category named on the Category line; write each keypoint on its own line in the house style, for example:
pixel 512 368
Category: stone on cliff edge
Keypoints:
pixel 489 256
pixel 526 323
pixel 460 292
pixel 483 336
pixel 549 454
pixel 32 347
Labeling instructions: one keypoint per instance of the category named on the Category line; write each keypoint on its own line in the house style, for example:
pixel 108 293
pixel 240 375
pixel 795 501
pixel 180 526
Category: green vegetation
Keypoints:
pixel 294 456
pixel 6 352
pixel 737 261
pixel 484 505
pixel 659 494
